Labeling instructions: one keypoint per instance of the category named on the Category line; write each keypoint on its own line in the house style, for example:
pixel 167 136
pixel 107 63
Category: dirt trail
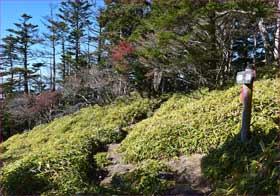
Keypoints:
pixel 189 177
pixel 185 171
pixel 117 167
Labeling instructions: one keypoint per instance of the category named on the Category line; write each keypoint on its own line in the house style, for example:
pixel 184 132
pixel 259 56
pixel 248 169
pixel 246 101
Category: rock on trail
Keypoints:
pixel 185 171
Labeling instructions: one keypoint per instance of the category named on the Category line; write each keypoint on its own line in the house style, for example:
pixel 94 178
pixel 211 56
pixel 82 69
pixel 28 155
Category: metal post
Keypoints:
pixel 247 92
pixel 246 78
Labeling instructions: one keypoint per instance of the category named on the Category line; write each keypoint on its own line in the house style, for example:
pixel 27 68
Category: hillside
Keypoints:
pixel 72 155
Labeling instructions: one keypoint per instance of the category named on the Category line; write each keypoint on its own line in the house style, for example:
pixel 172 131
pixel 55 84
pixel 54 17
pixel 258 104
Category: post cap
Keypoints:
pixel 246 77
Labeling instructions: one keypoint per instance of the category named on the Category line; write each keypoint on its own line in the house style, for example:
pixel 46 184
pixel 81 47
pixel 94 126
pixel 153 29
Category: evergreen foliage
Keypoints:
pixel 9 57
pixel 25 36
pixel 77 16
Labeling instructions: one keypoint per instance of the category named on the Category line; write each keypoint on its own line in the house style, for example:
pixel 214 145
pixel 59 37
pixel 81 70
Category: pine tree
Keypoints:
pixel 38 84
pixel 62 30
pixel 25 34
pixel 8 59
pixel 76 14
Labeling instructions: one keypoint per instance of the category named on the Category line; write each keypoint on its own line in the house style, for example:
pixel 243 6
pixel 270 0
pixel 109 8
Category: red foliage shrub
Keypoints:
pixel 26 111
pixel 121 50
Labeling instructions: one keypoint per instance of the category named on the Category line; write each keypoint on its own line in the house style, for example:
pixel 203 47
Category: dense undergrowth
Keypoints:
pixel 63 157
pixel 197 123
pixel 210 124
pixel 57 158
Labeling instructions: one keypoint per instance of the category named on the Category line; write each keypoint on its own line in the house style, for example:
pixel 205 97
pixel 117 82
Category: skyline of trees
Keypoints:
pixel 79 35
pixel 67 27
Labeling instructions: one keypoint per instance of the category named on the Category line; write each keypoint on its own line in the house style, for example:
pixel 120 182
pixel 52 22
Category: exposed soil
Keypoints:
pixel 189 177
pixel 185 170
pixel 116 168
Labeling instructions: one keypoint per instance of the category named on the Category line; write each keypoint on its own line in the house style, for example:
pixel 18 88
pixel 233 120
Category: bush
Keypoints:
pixel 210 124
pixel 101 159
pixel 65 156
pixel 199 123
pixel 61 152
pixel 26 111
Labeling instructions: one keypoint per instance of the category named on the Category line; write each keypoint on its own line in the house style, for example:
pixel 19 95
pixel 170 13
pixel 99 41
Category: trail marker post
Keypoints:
pixel 246 78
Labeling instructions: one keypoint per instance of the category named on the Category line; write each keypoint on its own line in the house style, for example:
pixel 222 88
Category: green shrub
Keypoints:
pixel 211 124
pixel 58 157
pixel 65 156
pixel 199 123
pixel 28 170
pixel 102 160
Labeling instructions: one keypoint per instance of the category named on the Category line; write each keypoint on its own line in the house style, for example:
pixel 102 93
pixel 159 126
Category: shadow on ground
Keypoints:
pixel 251 168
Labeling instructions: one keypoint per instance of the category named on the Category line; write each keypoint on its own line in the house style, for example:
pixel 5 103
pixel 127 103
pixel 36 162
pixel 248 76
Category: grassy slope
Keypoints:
pixel 57 157
pixel 210 124
pixel 197 124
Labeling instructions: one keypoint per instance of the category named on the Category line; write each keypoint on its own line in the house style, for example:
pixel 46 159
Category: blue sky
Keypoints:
pixel 11 10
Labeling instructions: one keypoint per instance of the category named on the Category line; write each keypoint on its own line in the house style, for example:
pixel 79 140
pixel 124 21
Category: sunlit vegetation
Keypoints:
pixel 140 97
pixel 58 157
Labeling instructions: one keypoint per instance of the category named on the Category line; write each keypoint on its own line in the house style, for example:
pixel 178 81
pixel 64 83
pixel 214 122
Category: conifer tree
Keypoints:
pixel 76 15
pixel 25 34
pixel 8 59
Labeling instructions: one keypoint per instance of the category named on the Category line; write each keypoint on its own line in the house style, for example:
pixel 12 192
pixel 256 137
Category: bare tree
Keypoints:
pixel 52 37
